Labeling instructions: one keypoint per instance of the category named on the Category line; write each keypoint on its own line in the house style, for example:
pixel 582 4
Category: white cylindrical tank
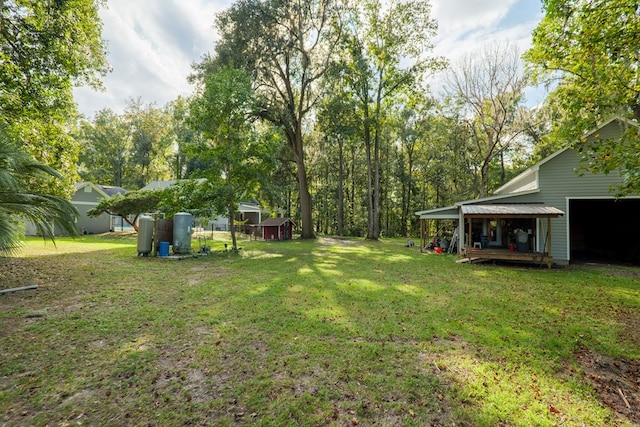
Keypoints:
pixel 182 233
pixel 145 235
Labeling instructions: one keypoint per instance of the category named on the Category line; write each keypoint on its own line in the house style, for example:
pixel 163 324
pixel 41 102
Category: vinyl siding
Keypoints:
pixel 559 182
pixel 85 200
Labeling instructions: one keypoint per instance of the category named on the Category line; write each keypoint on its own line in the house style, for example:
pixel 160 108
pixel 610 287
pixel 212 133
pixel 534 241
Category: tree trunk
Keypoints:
pixel 303 186
pixel 375 226
pixel 340 230
pixel 352 202
pixel 371 229
pixel 374 216
pixel 409 191
pixel 232 228
pixel 406 190
pixel 232 212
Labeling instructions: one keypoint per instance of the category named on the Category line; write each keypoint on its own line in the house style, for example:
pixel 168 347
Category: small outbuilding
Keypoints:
pixel 277 229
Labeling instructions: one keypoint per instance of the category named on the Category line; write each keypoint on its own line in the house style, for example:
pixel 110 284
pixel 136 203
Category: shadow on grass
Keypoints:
pixel 308 333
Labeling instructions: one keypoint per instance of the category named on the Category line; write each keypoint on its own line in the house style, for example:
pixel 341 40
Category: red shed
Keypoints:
pixel 277 229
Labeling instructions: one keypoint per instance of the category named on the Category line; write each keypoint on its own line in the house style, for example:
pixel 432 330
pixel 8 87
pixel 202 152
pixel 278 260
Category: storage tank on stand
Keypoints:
pixel 145 235
pixel 182 233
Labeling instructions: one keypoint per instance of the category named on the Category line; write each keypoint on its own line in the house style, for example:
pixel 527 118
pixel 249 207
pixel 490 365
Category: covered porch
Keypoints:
pixel 498 231
pixel 472 255
pixel 512 232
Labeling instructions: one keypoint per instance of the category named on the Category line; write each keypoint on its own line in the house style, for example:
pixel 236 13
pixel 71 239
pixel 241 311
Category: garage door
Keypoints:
pixel 605 230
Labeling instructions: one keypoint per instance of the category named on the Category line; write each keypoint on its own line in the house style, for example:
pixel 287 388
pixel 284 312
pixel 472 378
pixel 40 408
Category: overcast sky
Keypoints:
pixel 153 43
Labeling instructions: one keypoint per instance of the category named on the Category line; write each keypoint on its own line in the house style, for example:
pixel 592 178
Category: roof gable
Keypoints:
pixel 274 222
pixel 81 185
pixel 528 180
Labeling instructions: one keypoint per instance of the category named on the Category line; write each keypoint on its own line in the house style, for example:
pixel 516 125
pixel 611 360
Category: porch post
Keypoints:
pixel 470 237
pixel 549 235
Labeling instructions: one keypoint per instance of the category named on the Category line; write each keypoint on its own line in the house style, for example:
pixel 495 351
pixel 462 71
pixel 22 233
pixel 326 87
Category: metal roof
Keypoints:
pixel 273 222
pixel 511 210
pixel 449 212
pixel 112 190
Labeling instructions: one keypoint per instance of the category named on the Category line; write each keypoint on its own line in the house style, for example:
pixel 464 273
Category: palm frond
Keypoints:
pixel 19 202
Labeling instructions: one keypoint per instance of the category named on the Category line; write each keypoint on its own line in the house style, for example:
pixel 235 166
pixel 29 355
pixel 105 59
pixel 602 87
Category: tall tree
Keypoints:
pixel 47 47
pixel 411 128
pixel 184 138
pixel 381 35
pixel 338 124
pixel 490 87
pixel 589 49
pixel 151 133
pixel 286 46
pixel 129 149
pixel 106 146
pixel 221 111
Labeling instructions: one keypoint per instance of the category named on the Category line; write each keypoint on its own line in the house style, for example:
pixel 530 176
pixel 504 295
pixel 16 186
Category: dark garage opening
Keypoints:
pixel 605 230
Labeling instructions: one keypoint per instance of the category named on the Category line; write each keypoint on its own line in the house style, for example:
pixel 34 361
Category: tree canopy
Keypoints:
pixel 125 205
pixel 223 111
pixel 47 47
pixel 286 46
pixel 589 51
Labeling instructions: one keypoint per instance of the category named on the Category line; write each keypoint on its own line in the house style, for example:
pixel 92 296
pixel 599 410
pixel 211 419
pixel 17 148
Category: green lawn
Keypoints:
pixel 328 332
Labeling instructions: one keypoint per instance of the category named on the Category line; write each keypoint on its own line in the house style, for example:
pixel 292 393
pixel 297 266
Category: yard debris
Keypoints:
pixel 626 402
pixel 609 376
pixel 21 288
pixel 35 314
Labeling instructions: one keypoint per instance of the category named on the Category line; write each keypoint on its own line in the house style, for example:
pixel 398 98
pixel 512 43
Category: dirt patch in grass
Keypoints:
pixel 615 380
pixel 337 240
pixel 629 317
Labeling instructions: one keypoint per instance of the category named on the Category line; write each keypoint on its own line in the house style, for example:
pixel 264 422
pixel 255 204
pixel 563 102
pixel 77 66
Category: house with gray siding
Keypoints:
pixel 566 215
pixel 87 196
pixel 249 213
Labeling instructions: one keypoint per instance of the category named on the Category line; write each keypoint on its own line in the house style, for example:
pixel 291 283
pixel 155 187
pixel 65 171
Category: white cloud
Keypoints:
pixel 455 17
pixel 468 26
pixel 152 45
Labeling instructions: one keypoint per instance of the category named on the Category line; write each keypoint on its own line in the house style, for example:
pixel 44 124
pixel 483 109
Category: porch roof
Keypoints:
pixel 521 210
pixel 449 212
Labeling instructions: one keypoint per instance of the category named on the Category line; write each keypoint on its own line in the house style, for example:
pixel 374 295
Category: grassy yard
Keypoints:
pixel 328 332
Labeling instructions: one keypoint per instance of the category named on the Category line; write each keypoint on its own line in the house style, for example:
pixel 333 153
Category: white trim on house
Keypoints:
pixel 84 203
pixel 80 185
pixel 530 176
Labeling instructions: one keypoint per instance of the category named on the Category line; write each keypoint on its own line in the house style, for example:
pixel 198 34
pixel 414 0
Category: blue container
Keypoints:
pixel 164 248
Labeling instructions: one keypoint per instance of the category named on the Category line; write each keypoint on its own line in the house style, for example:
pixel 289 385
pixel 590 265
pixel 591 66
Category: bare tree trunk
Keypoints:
pixel 370 198
pixel 303 187
pixel 340 226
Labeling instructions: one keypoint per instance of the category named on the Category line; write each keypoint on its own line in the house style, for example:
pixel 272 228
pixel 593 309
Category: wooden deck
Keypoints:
pixel 481 255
